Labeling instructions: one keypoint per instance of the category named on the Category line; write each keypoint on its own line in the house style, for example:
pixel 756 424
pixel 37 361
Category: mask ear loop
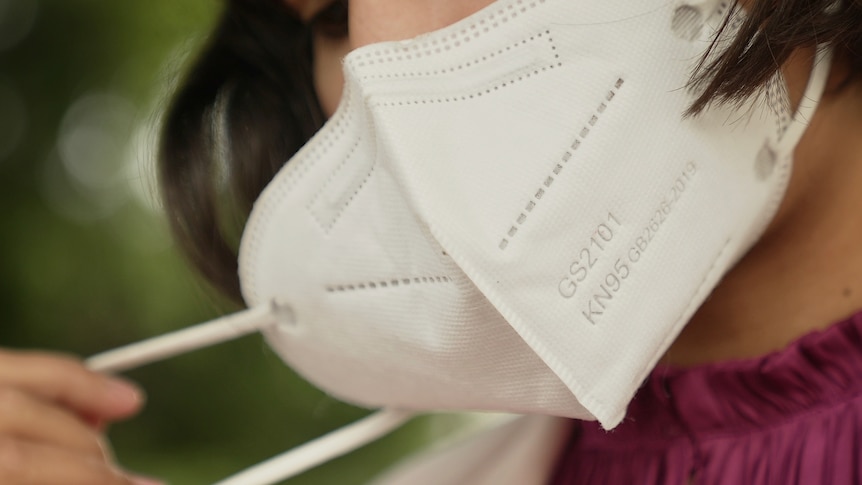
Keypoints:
pixel 223 329
pixel 813 95
pixel 321 450
pixel 231 327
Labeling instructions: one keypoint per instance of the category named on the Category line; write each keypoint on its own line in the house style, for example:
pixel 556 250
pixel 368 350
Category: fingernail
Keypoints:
pixel 124 392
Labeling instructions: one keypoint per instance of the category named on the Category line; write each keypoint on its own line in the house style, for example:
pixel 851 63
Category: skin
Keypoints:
pixel 374 21
pixel 804 274
pixel 52 412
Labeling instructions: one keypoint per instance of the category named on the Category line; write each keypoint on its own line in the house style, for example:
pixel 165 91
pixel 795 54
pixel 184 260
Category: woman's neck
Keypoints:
pixel 806 271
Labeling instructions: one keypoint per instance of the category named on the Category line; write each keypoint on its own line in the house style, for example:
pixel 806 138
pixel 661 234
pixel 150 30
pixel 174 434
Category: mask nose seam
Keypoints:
pixel 312 208
pixel 410 49
pixel 549 60
pixel 453 69
pixel 558 167
pixel 384 284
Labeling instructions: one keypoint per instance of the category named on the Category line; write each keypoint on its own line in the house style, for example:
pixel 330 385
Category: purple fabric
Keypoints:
pixel 790 418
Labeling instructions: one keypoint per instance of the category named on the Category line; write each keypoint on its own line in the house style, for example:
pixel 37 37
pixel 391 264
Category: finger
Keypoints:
pixel 26 463
pixel 66 381
pixel 30 418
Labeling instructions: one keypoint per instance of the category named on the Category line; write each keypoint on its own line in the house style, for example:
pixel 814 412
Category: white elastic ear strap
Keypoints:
pixel 812 96
pixel 216 331
pixel 230 327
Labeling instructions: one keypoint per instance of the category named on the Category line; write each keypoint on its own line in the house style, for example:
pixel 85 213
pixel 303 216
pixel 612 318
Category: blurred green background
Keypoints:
pixel 86 263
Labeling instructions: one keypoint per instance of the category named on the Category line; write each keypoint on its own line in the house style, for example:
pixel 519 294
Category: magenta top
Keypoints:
pixel 793 417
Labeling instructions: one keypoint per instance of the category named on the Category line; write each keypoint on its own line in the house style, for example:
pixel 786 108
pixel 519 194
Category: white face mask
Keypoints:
pixel 512 213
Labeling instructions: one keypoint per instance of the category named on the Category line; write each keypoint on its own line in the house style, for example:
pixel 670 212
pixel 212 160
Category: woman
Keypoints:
pixel 771 298
pixel 792 282
pixel 272 73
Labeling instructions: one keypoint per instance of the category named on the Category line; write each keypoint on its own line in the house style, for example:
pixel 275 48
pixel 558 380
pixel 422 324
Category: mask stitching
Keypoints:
pixel 558 167
pixel 322 148
pixel 471 63
pixel 530 72
pixel 350 199
pixel 311 205
pixel 383 284
pixel 478 27
pixel 338 123
pixel 356 191
pixel 779 104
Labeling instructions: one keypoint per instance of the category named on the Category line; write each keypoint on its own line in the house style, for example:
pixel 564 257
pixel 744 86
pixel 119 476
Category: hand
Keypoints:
pixel 51 409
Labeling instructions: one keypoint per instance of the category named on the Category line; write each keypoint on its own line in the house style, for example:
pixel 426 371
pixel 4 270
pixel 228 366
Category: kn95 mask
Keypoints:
pixel 511 213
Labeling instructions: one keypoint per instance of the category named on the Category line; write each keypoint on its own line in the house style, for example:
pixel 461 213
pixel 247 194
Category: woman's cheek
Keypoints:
pixel 328 76
pixel 373 21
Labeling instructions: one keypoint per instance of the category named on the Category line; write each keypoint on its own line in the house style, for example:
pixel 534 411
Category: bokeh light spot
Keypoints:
pixel 93 139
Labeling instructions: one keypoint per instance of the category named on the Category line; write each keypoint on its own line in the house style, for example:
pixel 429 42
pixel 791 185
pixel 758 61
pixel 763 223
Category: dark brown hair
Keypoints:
pixel 773 30
pixel 244 108
pixel 248 104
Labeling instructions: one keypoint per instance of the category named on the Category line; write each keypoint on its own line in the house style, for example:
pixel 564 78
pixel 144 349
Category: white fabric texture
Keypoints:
pixel 512 213
pixel 520 451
